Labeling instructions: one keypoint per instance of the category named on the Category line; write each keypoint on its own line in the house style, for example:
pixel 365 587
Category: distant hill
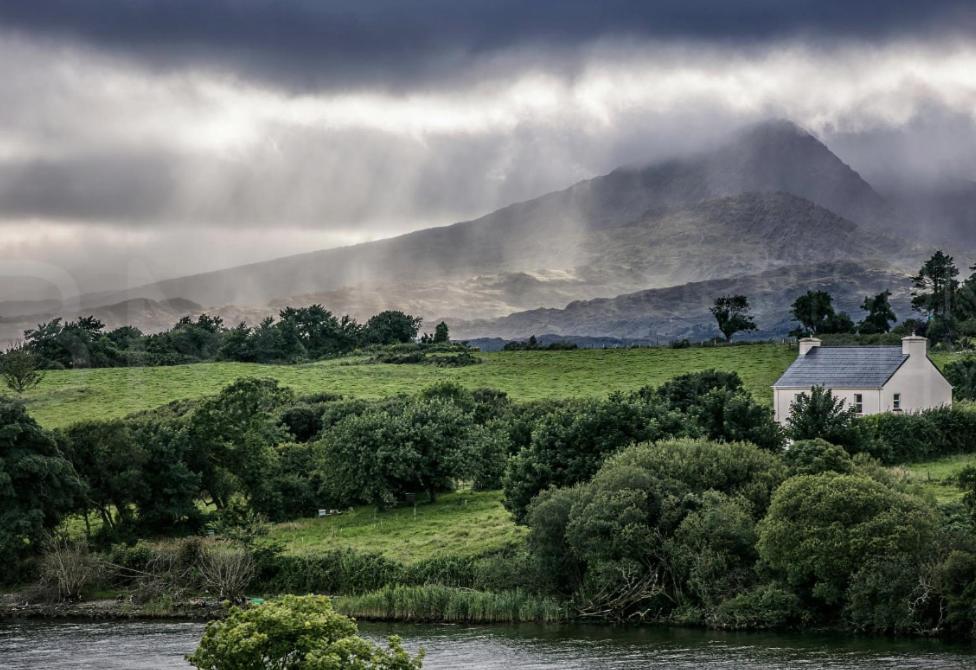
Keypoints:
pixel 773 197
pixel 662 315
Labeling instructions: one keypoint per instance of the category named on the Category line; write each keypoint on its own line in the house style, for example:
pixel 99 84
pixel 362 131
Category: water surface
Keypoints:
pixel 144 645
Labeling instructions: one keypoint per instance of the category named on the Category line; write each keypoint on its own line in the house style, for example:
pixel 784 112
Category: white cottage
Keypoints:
pixel 870 379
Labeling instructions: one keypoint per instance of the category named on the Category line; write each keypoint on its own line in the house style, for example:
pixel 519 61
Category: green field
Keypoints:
pixel 459 524
pixel 938 476
pixel 67 396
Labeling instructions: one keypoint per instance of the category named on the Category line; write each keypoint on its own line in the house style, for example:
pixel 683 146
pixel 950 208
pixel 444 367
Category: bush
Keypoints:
pixel 813 457
pixel 887 595
pixel 226 571
pixel 765 607
pixel 821 529
pixel 67 569
pixel 820 415
pixel 294 632
pixel 905 438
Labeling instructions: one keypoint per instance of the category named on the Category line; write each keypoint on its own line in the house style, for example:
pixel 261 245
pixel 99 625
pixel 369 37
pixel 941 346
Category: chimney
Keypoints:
pixel 914 345
pixel 808 343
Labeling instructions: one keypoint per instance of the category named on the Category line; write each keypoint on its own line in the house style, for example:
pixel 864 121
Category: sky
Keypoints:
pixel 142 139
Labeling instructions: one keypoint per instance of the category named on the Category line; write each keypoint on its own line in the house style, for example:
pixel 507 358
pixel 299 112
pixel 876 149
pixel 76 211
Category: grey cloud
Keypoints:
pixel 399 43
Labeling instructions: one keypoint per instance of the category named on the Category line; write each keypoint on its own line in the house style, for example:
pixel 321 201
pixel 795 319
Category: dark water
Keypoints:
pixel 137 645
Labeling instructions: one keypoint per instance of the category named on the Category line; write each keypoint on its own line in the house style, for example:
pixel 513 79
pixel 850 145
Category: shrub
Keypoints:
pixel 887 595
pixel 294 632
pixel 821 529
pixel 812 457
pixel 226 571
pixel 67 569
pixel 765 607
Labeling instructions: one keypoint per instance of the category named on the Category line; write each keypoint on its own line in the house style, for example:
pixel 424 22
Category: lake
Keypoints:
pixel 134 645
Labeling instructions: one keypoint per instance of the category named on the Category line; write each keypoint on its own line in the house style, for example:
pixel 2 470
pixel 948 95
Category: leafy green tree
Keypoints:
pixel 733 416
pixel 821 529
pixel 172 487
pixel 441 334
pixel 379 455
pixel 112 466
pixel 683 392
pixel 732 313
pixel 294 633
pixel 962 375
pixel 391 327
pixel 820 414
pixel 880 314
pixel 658 525
pixel 20 369
pixel 233 436
pixel 238 345
pixel 38 486
pixel 815 312
pixel 320 332
pixel 935 287
pixel 569 444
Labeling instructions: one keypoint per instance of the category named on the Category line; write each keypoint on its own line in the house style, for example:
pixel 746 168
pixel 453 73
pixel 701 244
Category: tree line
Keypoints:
pixel 297 334
pixel 946 307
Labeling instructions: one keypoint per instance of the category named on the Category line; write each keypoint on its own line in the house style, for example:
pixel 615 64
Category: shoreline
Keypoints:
pixel 111 609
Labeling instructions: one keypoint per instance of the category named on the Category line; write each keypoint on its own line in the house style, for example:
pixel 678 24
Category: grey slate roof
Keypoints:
pixel 843 367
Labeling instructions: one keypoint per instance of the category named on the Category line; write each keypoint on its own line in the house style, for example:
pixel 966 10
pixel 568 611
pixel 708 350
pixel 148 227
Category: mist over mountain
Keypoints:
pixel 768 211
pixel 662 315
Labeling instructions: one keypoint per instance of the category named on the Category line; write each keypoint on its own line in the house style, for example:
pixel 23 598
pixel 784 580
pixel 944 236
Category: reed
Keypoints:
pixel 434 603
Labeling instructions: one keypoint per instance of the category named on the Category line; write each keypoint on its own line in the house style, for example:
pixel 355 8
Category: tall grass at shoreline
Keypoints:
pixel 443 604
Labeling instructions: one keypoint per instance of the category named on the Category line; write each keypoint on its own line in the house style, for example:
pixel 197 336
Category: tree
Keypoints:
pixel 821 529
pixel 569 444
pixel 935 288
pixel 441 334
pixel 19 368
pixel 38 486
pixel 820 414
pixel 657 526
pixel 815 312
pixel 402 447
pixel 294 633
pixel 232 436
pixel 880 315
pixel 732 314
pixel 391 327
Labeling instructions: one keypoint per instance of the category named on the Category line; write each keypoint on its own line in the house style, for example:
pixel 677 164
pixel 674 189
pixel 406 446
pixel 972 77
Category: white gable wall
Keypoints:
pixel 920 384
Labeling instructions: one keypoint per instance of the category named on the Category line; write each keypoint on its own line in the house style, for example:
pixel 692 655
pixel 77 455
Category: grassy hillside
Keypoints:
pixel 66 396
pixel 459 524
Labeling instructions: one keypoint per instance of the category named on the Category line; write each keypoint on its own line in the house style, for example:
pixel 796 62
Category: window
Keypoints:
pixel 896 402
pixel 859 403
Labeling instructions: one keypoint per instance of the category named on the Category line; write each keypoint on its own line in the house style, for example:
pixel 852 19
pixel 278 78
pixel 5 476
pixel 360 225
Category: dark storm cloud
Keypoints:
pixel 400 43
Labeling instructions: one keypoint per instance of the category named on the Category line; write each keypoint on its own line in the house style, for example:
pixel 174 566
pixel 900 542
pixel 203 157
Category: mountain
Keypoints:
pixel 773 197
pixel 678 312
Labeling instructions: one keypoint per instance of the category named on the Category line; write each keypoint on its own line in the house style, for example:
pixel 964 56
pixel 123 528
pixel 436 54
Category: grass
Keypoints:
pixel 447 604
pixel 459 524
pixel 67 396
pixel 938 476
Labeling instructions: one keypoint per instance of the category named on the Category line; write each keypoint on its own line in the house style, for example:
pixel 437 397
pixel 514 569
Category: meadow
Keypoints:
pixel 67 396
pixel 458 524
